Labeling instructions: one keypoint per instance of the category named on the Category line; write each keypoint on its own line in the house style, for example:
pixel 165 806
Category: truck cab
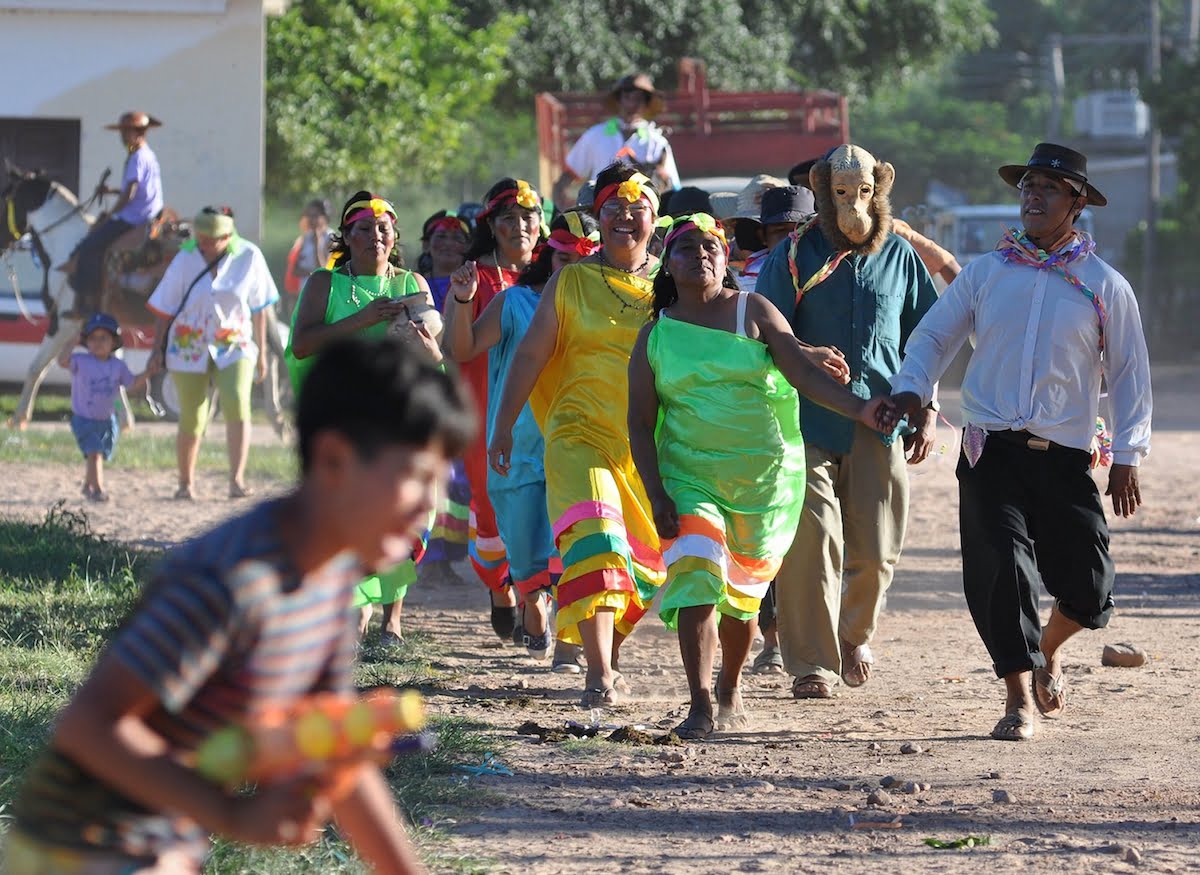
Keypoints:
pixel 972 231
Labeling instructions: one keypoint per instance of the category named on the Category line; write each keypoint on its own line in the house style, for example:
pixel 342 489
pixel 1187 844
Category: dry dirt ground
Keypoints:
pixel 1112 786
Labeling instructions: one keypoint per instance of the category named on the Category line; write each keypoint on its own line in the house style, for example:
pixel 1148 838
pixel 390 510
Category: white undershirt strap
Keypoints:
pixel 741 314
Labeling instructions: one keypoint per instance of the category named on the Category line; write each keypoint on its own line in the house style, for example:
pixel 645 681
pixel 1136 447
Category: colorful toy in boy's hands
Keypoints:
pixel 327 736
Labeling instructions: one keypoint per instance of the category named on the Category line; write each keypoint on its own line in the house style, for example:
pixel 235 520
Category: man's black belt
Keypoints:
pixel 1024 439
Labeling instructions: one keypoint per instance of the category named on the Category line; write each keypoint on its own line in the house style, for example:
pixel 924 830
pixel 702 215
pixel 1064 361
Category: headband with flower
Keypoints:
pixel 448 223
pixel 636 186
pixel 564 241
pixel 682 224
pixel 524 195
pixel 373 208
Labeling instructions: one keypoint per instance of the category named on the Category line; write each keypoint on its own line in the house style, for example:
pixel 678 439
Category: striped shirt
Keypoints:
pixel 225 629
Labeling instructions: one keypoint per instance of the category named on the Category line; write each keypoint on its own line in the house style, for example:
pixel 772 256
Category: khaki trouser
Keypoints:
pixel 855 511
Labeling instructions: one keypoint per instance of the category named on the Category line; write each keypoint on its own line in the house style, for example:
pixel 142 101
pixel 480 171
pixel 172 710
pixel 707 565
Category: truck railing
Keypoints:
pixel 711 132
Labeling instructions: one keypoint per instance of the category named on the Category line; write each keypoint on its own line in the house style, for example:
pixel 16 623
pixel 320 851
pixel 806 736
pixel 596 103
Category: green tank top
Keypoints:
pixel 348 295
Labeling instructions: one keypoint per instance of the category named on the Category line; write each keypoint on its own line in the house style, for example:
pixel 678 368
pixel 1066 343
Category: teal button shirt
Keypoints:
pixel 867 308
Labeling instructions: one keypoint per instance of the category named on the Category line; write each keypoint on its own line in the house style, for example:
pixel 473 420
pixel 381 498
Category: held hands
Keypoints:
pixel 464 281
pixel 420 332
pixel 666 516
pixel 880 414
pixel 1124 489
pixel 500 451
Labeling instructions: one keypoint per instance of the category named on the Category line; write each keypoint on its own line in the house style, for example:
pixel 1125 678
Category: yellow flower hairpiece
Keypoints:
pixel 526 196
pixel 379 206
pixel 631 189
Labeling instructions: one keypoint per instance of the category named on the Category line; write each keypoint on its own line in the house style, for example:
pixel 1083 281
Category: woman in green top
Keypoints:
pixel 365 291
pixel 714 428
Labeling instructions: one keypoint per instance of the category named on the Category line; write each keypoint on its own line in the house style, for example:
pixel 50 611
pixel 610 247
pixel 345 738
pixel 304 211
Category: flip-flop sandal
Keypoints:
pixel 184 493
pixel 1055 687
pixel 1017 726
pixel 811 687
pixel 856 664
pixel 621 685
pixel 770 661
pixel 236 491
pixel 697 727
pixel 598 698
pixel 731 717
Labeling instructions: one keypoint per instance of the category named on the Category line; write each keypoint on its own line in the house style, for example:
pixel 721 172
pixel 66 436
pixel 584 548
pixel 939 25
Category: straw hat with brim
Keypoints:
pixel 1057 161
pixel 724 204
pixel 751 197
pixel 136 120
pixel 788 203
pixel 655 103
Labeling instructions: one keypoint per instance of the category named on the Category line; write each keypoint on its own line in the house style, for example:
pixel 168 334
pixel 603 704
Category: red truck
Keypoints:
pixel 712 133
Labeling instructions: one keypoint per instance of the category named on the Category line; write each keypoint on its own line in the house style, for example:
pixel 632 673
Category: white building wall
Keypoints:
pixel 197 65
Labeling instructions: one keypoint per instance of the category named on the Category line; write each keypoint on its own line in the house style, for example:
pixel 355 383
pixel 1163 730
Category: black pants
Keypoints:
pixel 1028 516
pixel 89 262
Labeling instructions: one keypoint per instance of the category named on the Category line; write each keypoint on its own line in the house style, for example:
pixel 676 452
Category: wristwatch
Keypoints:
pixel 934 406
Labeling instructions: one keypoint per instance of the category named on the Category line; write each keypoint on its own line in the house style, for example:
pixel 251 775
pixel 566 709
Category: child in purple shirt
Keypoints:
pixel 96 378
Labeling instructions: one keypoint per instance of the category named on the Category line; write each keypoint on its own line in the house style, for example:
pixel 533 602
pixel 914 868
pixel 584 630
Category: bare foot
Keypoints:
pixel 731 712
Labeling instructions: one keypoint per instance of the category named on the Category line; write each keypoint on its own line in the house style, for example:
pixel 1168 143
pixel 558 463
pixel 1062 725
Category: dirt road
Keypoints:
pixel 1112 786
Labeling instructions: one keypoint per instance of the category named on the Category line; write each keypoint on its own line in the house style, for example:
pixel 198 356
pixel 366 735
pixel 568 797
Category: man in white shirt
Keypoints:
pixel 630 134
pixel 1050 318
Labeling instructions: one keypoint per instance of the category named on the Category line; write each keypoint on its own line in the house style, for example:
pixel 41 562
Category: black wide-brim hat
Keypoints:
pixel 1057 161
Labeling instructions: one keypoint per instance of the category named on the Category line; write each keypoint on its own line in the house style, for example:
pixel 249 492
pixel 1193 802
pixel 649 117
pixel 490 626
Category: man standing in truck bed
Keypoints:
pixel 630 134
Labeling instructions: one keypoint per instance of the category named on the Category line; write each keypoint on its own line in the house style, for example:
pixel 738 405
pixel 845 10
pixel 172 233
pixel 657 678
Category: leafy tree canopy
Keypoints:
pixel 358 91
pixel 853 46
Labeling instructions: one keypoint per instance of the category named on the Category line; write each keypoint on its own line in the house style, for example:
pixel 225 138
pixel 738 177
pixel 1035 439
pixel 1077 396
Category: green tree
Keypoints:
pixel 374 91
pixel 853 46
pixel 928 135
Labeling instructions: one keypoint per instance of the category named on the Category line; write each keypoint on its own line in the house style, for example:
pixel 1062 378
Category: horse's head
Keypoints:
pixel 24 192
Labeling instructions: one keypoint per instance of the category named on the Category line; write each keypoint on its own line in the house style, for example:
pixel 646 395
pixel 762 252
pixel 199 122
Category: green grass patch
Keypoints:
pixel 65 590
pixel 141 450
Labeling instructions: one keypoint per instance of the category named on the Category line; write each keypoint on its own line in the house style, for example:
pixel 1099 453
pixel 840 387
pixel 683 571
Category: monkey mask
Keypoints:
pixel 853 191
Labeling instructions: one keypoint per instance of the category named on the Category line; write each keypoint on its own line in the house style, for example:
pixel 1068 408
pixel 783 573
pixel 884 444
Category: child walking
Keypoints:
pixel 714 428
pixel 251 617
pixel 97 377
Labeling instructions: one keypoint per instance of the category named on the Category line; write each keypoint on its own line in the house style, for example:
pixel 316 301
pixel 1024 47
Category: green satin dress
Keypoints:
pixel 731 458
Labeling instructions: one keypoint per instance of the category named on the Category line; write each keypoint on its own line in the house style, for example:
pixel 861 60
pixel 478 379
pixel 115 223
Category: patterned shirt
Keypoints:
pixel 215 323
pixel 226 628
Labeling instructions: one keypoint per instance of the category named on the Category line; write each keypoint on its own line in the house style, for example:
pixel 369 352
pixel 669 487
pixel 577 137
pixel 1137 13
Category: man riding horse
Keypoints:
pixel 140 201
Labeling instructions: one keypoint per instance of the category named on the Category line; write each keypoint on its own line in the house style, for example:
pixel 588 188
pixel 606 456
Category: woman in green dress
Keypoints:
pixel 714 426
pixel 365 291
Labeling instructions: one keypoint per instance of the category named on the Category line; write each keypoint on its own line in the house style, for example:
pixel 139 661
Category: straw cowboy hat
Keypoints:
pixel 134 119
pixel 750 198
pixel 1057 161
pixel 655 102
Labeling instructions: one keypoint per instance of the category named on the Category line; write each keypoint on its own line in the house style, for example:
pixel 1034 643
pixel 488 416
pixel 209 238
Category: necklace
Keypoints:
pixel 501 285
pixel 354 287
pixel 625 305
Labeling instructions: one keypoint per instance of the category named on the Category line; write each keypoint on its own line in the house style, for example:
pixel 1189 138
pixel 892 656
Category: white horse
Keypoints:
pixel 53 216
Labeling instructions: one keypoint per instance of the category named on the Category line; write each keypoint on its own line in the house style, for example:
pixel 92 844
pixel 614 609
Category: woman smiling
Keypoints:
pixel 572 368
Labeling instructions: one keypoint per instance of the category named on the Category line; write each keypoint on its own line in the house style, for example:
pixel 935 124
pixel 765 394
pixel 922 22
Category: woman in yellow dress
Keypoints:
pixel 572 368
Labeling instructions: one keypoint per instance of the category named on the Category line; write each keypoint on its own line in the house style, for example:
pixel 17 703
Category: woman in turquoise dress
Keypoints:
pixel 365 292
pixel 519 498
pixel 714 426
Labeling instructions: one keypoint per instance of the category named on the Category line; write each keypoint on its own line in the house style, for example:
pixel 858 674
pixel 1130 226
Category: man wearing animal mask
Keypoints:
pixel 847 282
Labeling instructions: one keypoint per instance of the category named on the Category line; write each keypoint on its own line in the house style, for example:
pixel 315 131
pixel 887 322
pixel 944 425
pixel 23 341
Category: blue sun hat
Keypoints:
pixel 99 321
